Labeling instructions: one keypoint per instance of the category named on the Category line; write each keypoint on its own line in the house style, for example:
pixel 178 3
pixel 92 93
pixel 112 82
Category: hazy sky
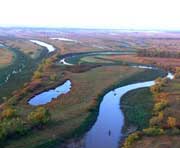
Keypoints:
pixel 133 14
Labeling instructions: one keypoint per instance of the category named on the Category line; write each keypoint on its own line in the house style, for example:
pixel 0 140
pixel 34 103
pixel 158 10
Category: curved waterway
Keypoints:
pixel 107 130
pixel 49 47
pixel 65 58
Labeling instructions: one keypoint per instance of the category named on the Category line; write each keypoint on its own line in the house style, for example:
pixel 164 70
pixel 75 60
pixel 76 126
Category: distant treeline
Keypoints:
pixel 157 53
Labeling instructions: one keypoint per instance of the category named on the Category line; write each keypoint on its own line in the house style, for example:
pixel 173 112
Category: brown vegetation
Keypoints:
pixel 6 57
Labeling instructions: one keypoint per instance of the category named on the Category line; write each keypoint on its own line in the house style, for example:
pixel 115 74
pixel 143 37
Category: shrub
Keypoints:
pixel 153 131
pixel 11 127
pixel 160 106
pixel 131 139
pixel 171 121
pixel 159 83
pixel 175 131
pixel 37 75
pixel 53 77
pixel 177 73
pixel 155 89
pixel 39 117
pixel 156 120
pixel 3 133
pixel 161 97
pixel 8 113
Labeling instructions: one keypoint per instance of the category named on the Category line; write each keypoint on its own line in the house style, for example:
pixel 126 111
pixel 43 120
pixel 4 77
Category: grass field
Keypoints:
pixel 96 59
pixel 137 107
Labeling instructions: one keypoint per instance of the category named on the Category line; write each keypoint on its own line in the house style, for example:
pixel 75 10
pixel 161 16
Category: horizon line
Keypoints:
pixel 88 28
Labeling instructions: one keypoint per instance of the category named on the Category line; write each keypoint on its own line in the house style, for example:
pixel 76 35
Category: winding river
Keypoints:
pixel 107 130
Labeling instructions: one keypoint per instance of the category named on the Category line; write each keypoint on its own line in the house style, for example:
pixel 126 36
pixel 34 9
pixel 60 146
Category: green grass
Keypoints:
pixel 137 107
pixel 82 58
pixel 137 104
pixel 94 59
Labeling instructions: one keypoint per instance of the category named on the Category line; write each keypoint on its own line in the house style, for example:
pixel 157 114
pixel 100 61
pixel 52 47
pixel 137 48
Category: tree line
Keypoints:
pixel 158 53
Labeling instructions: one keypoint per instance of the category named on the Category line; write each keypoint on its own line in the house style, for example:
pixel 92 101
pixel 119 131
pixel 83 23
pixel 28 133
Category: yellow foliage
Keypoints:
pixel 39 116
pixel 171 121
pixel 8 112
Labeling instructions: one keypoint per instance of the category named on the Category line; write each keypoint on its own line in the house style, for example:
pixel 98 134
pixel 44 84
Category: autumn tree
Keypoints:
pixel 39 117
pixel 37 75
pixel 177 73
pixel 8 112
pixel 171 121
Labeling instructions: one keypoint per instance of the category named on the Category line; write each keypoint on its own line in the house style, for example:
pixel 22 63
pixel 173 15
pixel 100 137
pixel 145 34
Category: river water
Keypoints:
pixel 48 96
pixel 49 47
pixel 107 130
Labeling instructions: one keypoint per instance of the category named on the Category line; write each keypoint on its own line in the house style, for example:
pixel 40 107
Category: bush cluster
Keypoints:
pixel 39 117
pixel 171 121
pixel 131 139
pixel 156 120
pixel 159 106
pixel 153 131
pixel 12 125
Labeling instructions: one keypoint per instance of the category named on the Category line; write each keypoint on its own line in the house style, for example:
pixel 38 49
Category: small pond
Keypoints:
pixel 48 96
